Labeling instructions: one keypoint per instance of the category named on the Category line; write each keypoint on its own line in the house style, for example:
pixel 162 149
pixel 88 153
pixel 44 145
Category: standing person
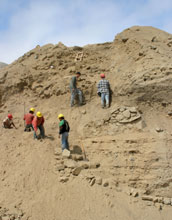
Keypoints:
pixel 38 122
pixel 8 122
pixel 74 90
pixel 28 119
pixel 104 90
pixel 63 131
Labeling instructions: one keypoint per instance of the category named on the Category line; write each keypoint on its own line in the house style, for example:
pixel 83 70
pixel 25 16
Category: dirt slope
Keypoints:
pixel 128 146
pixel 2 65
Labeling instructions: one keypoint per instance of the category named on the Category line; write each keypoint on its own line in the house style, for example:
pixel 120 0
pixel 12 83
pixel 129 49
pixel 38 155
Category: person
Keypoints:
pixel 38 122
pixel 104 90
pixel 74 90
pixel 28 119
pixel 63 131
pixel 8 122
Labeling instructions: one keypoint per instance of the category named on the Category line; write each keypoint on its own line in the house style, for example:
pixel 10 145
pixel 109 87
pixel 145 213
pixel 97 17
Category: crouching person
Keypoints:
pixel 8 122
pixel 28 120
pixel 38 122
pixel 64 132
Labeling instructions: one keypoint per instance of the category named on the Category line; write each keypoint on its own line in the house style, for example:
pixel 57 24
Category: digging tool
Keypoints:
pixel 24 113
pixel 83 150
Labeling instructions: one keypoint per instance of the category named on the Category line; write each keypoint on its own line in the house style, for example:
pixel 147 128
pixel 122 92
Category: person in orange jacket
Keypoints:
pixel 28 119
pixel 8 122
pixel 38 122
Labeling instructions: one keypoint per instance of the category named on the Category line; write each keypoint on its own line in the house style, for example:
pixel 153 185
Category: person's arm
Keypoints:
pixel 60 130
pixel 13 124
pixel 99 88
pixel 35 130
pixel 34 123
pixel 43 120
pixel 4 123
pixel 98 85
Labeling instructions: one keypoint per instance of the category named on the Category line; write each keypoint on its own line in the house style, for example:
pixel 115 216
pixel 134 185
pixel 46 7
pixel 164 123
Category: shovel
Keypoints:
pixel 83 151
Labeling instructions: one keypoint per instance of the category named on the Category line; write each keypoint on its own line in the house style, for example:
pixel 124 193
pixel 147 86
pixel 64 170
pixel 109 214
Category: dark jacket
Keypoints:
pixel 73 83
pixel 63 126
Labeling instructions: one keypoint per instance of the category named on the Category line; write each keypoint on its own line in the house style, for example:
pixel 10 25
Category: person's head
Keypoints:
pixel 78 74
pixel 39 115
pixel 10 116
pixel 60 117
pixel 32 110
pixel 102 75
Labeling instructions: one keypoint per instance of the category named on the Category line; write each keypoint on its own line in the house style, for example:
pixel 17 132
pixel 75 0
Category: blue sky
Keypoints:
pixel 27 23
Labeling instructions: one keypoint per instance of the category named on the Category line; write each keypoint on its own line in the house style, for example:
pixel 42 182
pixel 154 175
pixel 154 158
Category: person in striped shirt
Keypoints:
pixel 103 91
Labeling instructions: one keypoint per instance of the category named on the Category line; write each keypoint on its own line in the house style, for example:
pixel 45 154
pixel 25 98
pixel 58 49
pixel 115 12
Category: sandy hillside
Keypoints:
pixel 2 65
pixel 127 174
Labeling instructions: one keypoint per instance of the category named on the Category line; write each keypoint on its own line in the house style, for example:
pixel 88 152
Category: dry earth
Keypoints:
pixel 127 174
pixel 2 65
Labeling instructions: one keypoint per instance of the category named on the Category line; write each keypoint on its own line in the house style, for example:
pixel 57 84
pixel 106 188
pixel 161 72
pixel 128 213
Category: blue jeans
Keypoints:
pixel 104 97
pixel 28 127
pixel 64 140
pixel 42 132
pixel 74 93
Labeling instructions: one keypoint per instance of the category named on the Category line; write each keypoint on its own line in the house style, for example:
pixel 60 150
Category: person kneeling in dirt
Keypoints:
pixel 104 91
pixel 28 120
pixel 63 131
pixel 38 122
pixel 8 122
pixel 75 91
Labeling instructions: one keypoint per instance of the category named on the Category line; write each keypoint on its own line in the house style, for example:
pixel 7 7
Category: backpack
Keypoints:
pixel 67 126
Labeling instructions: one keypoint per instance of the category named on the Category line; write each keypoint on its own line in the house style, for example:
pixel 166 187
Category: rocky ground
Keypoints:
pixel 119 166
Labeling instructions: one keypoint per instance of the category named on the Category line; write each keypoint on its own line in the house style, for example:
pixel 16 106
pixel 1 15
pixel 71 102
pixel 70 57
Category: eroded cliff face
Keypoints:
pixel 128 146
pixel 138 64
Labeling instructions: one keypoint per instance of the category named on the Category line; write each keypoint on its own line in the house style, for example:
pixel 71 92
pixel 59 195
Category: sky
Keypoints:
pixel 24 24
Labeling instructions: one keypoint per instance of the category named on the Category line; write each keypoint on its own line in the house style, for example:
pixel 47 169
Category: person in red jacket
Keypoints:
pixel 28 119
pixel 38 122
